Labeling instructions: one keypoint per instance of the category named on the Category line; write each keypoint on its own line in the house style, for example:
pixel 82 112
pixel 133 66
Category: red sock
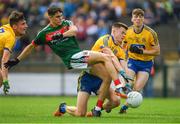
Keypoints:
pixel 117 82
pixel 99 103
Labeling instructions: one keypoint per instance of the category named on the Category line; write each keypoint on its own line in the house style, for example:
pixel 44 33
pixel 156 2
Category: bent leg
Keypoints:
pixel 130 73
pixel 141 80
pixel 102 73
pixel 81 107
pixel 113 100
pixel 97 57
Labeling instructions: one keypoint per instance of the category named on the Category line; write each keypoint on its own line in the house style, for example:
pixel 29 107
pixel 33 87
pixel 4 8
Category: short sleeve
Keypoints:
pixel 9 44
pixel 69 22
pixel 101 42
pixel 39 39
pixel 154 39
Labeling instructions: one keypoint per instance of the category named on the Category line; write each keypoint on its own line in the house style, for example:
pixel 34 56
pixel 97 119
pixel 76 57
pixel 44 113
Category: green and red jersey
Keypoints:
pixel 64 48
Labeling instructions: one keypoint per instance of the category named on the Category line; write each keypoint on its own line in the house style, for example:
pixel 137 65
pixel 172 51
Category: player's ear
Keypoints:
pixel 49 17
pixel 132 19
pixel 14 26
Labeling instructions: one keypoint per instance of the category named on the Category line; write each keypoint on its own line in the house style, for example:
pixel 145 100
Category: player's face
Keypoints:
pixel 137 20
pixel 20 28
pixel 56 19
pixel 119 34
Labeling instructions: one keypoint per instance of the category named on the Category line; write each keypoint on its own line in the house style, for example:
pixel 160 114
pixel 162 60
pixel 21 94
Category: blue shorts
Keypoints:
pixel 89 83
pixel 137 65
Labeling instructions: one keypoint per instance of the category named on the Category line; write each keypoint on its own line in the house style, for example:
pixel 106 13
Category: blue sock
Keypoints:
pixel 124 107
pixel 63 109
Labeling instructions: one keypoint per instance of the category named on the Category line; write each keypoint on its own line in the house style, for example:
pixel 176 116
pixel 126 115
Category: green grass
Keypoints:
pixel 16 109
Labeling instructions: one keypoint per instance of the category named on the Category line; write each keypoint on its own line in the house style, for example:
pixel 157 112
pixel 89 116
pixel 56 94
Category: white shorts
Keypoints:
pixel 79 60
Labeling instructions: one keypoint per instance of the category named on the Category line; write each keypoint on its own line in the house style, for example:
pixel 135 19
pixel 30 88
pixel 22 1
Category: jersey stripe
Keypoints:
pixel 105 41
pixel 153 34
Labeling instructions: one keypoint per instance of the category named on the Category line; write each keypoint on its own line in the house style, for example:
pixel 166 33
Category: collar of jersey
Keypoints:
pixel 114 40
pixel 140 30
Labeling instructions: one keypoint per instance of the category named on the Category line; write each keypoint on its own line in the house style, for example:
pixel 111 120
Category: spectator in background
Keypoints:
pixel 92 31
pixel 131 4
pixel 33 13
pixel 168 8
pixel 97 9
pixel 176 8
pixel 81 34
pixel 70 7
pixel 102 28
pixel 149 18
pixel 162 12
pixel 119 7
pixel 57 3
pixel 4 19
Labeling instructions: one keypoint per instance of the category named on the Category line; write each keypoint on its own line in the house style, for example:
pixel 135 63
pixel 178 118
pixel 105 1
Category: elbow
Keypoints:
pixel 74 30
pixel 158 53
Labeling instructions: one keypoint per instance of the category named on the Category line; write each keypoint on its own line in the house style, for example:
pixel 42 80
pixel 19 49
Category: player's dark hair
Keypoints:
pixel 138 11
pixel 119 24
pixel 15 17
pixel 52 10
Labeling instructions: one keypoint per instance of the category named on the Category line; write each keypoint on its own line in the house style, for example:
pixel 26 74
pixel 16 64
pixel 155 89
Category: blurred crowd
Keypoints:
pixel 92 17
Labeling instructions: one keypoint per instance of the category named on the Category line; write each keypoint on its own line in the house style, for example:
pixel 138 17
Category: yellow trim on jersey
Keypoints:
pixel 107 41
pixel 146 39
pixel 7 38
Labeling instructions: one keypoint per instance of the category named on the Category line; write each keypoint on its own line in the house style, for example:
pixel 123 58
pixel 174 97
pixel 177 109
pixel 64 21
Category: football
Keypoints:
pixel 134 99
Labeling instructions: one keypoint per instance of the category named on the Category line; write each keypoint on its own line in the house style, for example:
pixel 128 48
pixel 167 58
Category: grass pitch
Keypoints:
pixel 26 109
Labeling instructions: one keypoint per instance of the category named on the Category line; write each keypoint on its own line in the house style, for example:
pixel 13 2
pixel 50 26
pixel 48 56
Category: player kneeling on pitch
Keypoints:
pixel 87 84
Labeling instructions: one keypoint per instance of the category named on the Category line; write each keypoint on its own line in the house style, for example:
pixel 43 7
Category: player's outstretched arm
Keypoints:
pixel 27 50
pixel 4 71
pixel 117 64
pixel 12 62
pixel 71 32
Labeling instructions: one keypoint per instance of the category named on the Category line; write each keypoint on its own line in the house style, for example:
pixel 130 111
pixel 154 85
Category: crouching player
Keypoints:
pixel 87 84
pixel 109 44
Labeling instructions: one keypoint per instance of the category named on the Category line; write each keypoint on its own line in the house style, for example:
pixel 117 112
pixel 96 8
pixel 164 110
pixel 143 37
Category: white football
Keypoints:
pixel 134 99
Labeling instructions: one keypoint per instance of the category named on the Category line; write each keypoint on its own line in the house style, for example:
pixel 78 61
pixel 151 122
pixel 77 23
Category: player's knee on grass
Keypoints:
pixel 80 114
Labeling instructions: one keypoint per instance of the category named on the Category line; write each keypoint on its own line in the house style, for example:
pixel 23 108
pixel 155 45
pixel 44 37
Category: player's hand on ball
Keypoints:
pixel 10 63
pixel 6 87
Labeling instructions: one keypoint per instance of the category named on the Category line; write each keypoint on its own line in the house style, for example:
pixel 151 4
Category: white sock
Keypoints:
pixel 97 108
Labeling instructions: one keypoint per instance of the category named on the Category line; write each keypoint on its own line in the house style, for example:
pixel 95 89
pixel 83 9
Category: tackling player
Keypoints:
pixel 98 76
pixel 59 35
pixel 142 46
pixel 8 33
